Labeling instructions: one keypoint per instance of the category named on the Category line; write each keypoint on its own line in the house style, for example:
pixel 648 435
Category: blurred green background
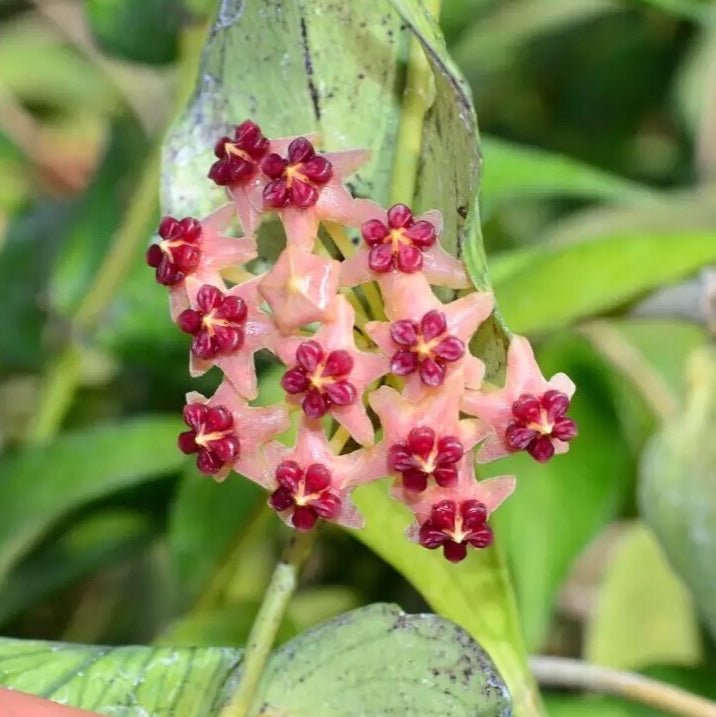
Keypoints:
pixel 599 136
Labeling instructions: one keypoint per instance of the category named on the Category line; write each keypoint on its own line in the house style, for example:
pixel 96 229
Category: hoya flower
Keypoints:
pixel 328 374
pixel 228 328
pixel 225 432
pixel 456 518
pixel 395 242
pixel 424 442
pixel 300 288
pixel 239 156
pixel 191 253
pixel 528 413
pixel 428 339
pixel 310 482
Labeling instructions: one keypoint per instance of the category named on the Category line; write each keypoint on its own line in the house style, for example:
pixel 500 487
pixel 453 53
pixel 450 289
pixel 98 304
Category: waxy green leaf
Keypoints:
pixel 547 287
pixel 376 659
pixel 678 486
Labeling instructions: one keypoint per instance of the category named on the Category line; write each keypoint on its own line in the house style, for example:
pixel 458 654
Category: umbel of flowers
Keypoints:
pixel 432 418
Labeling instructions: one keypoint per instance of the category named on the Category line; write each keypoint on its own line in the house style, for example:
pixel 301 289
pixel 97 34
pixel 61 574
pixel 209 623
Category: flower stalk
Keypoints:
pixel 268 620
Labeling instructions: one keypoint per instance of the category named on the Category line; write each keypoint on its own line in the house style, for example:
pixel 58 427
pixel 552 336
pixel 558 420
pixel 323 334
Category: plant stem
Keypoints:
pixel 262 635
pixel 575 674
pixel 417 97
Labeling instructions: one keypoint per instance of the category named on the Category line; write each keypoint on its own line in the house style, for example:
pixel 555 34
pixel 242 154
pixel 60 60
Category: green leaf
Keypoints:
pixel 678 486
pixel 627 629
pixel 552 286
pixel 139 30
pixel 376 661
pixel 572 497
pixel 517 171
pixel 98 541
pixel 40 484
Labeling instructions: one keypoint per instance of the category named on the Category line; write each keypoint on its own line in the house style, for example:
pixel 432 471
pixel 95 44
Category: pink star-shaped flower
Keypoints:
pixel 226 432
pixel 228 329
pixel 310 482
pixel 191 253
pixel 328 374
pixel 456 518
pixel 427 339
pixel 395 244
pixel 300 288
pixel 528 413
pixel 424 442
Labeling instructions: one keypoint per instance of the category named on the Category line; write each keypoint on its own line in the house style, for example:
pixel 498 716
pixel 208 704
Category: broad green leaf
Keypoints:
pixel 139 30
pixel 560 506
pixel 476 594
pixel 552 286
pixel 40 484
pixel 96 542
pixel 358 662
pixel 376 660
pixel 627 630
pixel 678 486
pixel 516 171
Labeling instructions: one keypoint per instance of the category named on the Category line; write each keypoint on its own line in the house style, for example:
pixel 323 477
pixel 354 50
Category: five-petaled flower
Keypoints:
pixel 528 413
pixel 456 518
pixel 399 243
pixel 295 181
pixel 425 439
pixel 427 445
pixel 309 481
pixel 336 372
pixel 428 339
pixel 425 347
pixel 212 435
pixel 321 377
pixel 239 157
pixel 217 324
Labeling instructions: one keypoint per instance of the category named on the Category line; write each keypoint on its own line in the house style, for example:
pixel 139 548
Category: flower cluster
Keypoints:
pixel 435 415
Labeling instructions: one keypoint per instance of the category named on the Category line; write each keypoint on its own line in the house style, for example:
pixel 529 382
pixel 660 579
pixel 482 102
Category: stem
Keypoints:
pixel 418 96
pixel 575 674
pixel 262 635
